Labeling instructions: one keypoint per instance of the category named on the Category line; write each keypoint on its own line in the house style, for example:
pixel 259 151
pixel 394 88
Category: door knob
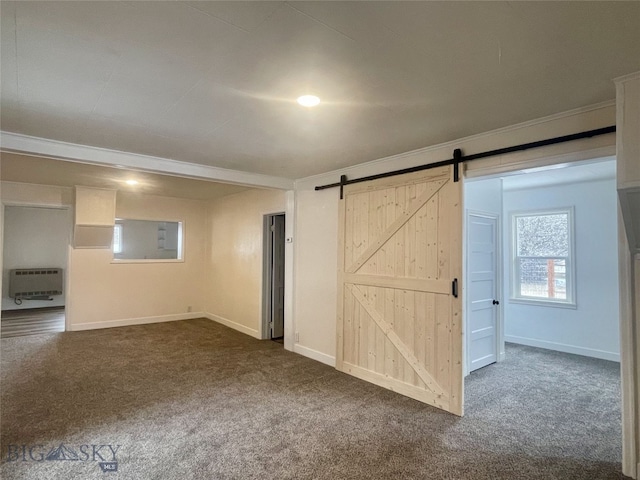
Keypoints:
pixel 496 302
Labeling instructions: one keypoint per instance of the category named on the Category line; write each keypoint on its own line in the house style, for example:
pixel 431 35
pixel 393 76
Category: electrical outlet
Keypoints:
pixel 297 336
pixel 189 309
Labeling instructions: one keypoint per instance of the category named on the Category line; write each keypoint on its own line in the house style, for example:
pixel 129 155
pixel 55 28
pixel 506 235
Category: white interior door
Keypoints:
pixel 482 301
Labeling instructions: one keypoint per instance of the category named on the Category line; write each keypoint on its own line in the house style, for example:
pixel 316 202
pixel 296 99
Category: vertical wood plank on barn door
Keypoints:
pixel 400 247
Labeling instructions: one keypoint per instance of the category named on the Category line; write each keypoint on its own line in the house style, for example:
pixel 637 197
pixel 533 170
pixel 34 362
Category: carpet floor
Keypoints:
pixel 196 400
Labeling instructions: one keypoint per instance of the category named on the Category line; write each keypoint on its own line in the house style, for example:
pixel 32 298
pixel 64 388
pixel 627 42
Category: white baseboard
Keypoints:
pixel 315 355
pixel 134 321
pixel 231 324
pixel 561 347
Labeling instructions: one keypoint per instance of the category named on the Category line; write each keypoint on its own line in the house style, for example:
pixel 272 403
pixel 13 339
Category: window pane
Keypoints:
pixel 543 278
pixel 117 239
pixel 543 235
pixel 147 240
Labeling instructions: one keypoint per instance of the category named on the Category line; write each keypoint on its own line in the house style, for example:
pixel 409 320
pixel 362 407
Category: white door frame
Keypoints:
pixel 628 276
pixel 499 286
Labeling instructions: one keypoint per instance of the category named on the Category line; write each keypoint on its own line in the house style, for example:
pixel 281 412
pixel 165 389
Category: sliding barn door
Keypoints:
pixel 399 321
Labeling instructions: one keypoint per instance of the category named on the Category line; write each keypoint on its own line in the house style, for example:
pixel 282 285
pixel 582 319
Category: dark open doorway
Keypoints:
pixel 273 291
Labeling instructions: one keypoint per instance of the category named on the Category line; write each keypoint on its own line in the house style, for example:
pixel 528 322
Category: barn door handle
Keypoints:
pixel 454 288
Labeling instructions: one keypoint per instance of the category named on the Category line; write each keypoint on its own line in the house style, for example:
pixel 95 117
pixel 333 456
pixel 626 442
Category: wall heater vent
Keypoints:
pixel 35 282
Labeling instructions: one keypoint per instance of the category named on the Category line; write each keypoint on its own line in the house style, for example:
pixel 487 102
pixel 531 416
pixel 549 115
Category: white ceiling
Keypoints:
pixel 44 171
pixel 214 83
pixel 562 174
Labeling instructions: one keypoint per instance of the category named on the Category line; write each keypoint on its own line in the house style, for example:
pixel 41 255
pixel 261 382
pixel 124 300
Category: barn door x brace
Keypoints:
pixel 459 158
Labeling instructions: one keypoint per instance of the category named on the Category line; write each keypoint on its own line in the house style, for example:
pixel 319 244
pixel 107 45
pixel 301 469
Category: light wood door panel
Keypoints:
pixel 400 247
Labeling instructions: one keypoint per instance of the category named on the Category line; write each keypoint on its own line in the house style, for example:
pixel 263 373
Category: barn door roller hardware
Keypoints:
pixel 458 158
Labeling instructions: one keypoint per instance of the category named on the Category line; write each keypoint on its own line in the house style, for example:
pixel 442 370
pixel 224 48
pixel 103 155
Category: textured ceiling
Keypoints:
pixel 215 83
pixel 562 174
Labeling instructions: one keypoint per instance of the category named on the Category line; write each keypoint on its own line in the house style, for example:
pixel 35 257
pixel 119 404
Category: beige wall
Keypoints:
pixel 315 288
pixel 42 195
pixel 233 292
pixel 101 293
pixel 316 250
pixel 104 293
pixel 221 273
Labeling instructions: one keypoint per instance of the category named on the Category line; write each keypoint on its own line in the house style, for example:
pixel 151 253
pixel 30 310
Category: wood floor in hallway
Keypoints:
pixel 32 321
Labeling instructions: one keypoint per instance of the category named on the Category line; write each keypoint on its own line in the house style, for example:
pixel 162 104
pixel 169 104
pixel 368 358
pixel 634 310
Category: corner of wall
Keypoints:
pixel 233 289
pixel 234 325
pixel 315 355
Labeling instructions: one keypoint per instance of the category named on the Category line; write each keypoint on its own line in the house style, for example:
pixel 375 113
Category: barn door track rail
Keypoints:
pixel 459 158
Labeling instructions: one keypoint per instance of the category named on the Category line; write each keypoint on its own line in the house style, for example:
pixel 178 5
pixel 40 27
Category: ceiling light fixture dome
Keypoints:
pixel 308 100
pixel 131 182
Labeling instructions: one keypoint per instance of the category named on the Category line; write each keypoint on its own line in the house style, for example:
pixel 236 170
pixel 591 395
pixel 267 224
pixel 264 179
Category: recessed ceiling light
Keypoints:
pixel 131 182
pixel 308 100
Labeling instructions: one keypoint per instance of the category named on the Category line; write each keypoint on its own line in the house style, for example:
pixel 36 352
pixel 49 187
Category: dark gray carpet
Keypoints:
pixel 194 399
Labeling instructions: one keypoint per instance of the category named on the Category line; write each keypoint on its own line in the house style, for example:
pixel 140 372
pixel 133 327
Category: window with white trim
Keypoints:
pixel 542 260
pixel 117 238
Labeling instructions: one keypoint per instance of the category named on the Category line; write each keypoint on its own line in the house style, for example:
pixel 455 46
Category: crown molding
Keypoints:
pixel 626 78
pixel 43 147
pixel 394 160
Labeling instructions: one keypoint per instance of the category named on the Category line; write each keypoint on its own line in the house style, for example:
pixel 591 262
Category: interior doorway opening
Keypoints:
pixel 35 250
pixel 550 344
pixel 273 277
pixel 541 262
